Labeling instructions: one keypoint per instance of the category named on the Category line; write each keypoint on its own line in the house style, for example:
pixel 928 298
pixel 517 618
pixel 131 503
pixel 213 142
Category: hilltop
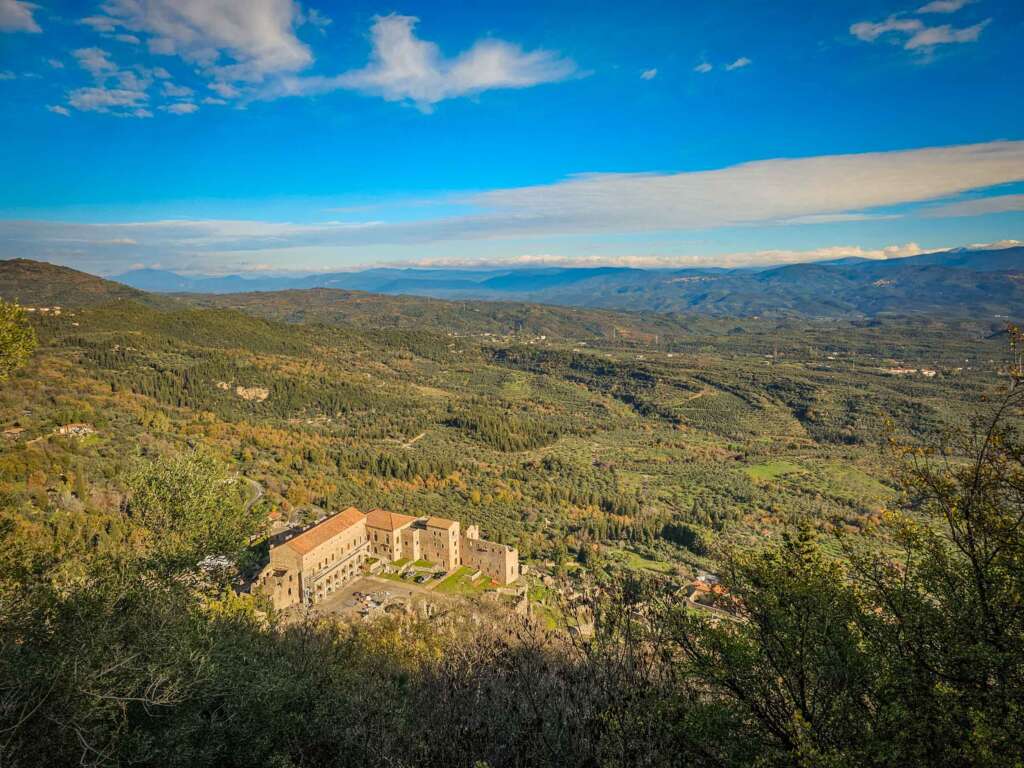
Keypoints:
pixel 38 283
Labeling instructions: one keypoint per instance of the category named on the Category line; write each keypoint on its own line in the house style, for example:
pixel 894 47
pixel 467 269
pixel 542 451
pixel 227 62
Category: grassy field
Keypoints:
pixel 460 583
pixel 635 562
pixel 771 470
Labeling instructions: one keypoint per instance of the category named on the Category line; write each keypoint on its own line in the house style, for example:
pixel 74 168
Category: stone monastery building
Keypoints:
pixel 309 566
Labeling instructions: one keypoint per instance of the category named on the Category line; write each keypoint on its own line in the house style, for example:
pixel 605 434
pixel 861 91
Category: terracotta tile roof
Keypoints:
pixel 328 529
pixel 440 522
pixel 383 520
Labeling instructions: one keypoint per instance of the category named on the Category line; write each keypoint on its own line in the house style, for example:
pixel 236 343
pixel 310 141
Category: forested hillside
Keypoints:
pixel 620 464
pixel 36 283
pixel 613 428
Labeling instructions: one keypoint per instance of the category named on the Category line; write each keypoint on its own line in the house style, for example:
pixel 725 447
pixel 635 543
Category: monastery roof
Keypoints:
pixel 384 520
pixel 309 540
pixel 440 522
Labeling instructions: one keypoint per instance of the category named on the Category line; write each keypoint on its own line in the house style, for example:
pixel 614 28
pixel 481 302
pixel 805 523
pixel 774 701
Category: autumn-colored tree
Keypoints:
pixel 17 338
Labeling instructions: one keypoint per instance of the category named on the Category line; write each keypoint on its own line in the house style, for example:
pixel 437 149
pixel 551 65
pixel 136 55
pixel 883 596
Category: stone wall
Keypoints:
pixel 498 561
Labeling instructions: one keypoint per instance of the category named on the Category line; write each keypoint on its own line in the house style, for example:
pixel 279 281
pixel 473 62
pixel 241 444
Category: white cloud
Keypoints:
pixel 703 68
pixel 654 261
pixel 775 192
pixel 741 62
pixel 161 73
pixel 176 91
pixel 315 18
pixel 181 108
pixel 943 6
pixel 124 99
pixel 95 61
pixel 763 191
pixel 932 36
pixel 918 36
pixel 649 74
pixel 225 90
pixel 231 40
pixel 978 207
pixel 107 100
pixel 869 31
pixel 16 16
pixel 100 23
pixel 55 63
pixel 836 218
pixel 403 67
pixel 211 100
pixel 248 49
pixel 7 75
pixel 58 110
pixel 996 246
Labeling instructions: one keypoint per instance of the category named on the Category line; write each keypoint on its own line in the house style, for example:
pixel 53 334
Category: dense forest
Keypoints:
pixel 856 485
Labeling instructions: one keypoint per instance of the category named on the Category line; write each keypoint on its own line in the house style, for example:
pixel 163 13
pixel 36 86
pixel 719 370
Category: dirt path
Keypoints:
pixel 413 441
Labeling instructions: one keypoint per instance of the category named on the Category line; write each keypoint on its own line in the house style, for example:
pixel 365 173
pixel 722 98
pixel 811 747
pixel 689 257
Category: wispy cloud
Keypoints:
pixel 403 67
pixel 703 68
pixel 227 40
pixel 944 6
pixel 180 108
pixel 780 192
pixel 250 49
pixel 95 61
pixel 58 110
pixel 977 207
pixel 109 100
pixel 116 91
pixel 741 62
pixel 763 191
pixel 915 34
pixel 649 74
pixel 176 91
pixel 929 37
pixel 869 31
pixel 653 261
pixel 17 16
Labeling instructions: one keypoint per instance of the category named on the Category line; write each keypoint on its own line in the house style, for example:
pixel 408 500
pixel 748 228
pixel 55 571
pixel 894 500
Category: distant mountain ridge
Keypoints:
pixel 960 281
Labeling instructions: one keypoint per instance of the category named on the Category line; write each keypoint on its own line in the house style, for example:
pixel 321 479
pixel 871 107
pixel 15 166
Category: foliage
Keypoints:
pixel 911 657
pixel 17 338
pixel 186 509
pixel 847 636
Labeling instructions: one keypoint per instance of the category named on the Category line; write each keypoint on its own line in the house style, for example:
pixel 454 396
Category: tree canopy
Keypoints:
pixel 17 338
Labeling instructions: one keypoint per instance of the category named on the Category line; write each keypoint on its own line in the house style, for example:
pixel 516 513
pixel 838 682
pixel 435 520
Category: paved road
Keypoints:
pixel 257 492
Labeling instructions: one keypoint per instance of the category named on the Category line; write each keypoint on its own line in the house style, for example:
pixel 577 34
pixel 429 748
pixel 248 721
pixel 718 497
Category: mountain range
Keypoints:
pixel 982 284
pixel 960 281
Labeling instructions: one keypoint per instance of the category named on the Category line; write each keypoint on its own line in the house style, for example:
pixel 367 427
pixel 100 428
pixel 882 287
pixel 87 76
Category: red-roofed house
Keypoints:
pixel 309 566
pixel 388 535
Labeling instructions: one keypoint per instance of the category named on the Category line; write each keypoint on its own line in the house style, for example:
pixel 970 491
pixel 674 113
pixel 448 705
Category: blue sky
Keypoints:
pixel 250 135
